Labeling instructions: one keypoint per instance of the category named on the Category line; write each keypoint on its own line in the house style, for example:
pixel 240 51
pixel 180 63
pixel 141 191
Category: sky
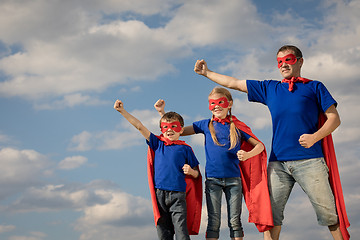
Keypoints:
pixel 73 168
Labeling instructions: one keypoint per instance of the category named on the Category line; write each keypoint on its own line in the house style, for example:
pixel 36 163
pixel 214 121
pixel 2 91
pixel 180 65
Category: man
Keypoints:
pixel 297 154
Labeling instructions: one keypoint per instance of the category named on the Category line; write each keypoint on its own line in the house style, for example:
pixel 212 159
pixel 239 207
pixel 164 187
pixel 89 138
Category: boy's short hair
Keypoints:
pixel 295 49
pixel 172 116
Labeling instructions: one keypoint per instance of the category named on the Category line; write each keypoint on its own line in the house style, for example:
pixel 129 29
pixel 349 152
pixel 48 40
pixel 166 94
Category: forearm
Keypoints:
pixel 257 149
pixel 136 123
pixel 227 81
pixel 194 173
pixel 188 130
pixel 331 123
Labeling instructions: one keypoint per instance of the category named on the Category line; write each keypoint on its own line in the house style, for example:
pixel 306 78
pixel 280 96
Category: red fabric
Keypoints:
pixel 222 121
pixel 334 178
pixel 255 184
pixel 193 192
pixel 294 80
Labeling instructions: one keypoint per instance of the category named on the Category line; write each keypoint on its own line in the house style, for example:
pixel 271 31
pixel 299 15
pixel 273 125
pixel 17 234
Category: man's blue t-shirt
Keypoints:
pixel 168 163
pixel 220 161
pixel 293 114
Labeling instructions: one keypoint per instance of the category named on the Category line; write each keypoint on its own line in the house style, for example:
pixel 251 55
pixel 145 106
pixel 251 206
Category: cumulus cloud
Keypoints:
pixel 72 162
pixel 20 169
pixel 117 139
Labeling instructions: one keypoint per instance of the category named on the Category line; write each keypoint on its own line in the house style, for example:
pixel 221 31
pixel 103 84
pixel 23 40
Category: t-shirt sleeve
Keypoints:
pixel 200 126
pixel 191 158
pixel 324 97
pixel 257 91
pixel 153 142
pixel 244 136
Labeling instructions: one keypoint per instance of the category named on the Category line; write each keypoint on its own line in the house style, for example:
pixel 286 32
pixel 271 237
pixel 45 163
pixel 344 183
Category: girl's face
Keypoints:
pixel 219 105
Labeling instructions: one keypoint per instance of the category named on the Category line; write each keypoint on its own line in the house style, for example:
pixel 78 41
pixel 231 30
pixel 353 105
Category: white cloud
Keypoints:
pixel 31 236
pixel 124 136
pixel 7 228
pixel 72 162
pixel 20 169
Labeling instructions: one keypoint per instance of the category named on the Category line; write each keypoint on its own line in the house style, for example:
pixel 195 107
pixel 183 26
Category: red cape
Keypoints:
pixel 193 193
pixel 255 183
pixel 334 179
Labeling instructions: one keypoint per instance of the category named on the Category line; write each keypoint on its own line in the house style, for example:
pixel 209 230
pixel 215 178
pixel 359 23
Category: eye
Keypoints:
pixel 288 59
pixel 164 126
pixel 174 126
pixel 280 62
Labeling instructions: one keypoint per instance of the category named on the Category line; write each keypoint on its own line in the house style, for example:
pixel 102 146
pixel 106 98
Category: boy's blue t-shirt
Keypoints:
pixel 293 114
pixel 168 163
pixel 220 161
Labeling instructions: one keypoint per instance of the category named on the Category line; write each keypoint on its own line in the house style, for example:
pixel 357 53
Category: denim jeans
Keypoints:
pixel 313 177
pixel 172 207
pixel 214 187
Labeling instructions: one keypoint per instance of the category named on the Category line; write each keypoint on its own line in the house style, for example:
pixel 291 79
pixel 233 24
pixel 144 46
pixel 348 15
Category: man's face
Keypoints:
pixel 289 69
pixel 171 129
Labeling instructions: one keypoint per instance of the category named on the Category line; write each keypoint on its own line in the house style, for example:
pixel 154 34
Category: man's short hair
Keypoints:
pixel 295 49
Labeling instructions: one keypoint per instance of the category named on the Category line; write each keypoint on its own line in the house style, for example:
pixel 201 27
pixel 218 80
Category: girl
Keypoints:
pixel 223 139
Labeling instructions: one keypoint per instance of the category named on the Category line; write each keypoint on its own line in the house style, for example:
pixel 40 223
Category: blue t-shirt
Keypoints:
pixel 220 161
pixel 168 163
pixel 293 114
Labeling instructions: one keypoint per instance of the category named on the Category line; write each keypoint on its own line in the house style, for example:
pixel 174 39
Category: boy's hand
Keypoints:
pixel 160 107
pixel 242 155
pixel 190 171
pixel 201 67
pixel 119 106
pixel 187 169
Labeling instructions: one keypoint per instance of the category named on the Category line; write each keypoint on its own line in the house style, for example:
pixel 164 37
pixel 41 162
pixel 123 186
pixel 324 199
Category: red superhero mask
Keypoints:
pixel 222 102
pixel 176 126
pixel 289 59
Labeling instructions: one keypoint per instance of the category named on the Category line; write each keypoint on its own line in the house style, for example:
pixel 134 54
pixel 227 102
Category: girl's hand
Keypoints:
pixel 119 106
pixel 201 67
pixel 242 155
pixel 160 105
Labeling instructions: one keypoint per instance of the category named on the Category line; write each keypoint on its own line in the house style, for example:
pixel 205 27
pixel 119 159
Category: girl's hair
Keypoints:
pixel 234 133
pixel 172 116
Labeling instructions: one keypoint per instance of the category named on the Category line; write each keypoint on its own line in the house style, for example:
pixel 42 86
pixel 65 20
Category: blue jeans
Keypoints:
pixel 172 207
pixel 312 176
pixel 233 193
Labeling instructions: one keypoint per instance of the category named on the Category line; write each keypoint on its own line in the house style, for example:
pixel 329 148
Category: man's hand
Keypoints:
pixel 119 106
pixel 201 67
pixel 307 140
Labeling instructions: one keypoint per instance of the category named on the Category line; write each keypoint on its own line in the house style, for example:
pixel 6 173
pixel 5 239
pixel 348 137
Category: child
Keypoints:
pixel 227 141
pixel 171 159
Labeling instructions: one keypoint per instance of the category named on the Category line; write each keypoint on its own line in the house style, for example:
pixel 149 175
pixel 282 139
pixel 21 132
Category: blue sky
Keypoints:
pixel 73 168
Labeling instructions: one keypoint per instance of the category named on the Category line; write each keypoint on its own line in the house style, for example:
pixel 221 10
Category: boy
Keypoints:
pixel 169 161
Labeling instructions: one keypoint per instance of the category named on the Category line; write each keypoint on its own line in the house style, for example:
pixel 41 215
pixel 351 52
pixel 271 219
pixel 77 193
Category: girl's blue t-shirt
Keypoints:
pixel 168 163
pixel 220 161
pixel 293 114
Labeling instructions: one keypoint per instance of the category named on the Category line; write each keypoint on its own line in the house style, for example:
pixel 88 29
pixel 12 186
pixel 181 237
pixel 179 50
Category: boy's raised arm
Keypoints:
pixel 224 80
pixel 119 106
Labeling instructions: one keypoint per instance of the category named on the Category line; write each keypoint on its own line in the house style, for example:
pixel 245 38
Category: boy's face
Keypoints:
pixel 171 129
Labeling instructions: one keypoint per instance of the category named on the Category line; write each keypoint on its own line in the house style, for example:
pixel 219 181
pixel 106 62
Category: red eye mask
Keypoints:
pixel 176 126
pixel 222 102
pixel 289 59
